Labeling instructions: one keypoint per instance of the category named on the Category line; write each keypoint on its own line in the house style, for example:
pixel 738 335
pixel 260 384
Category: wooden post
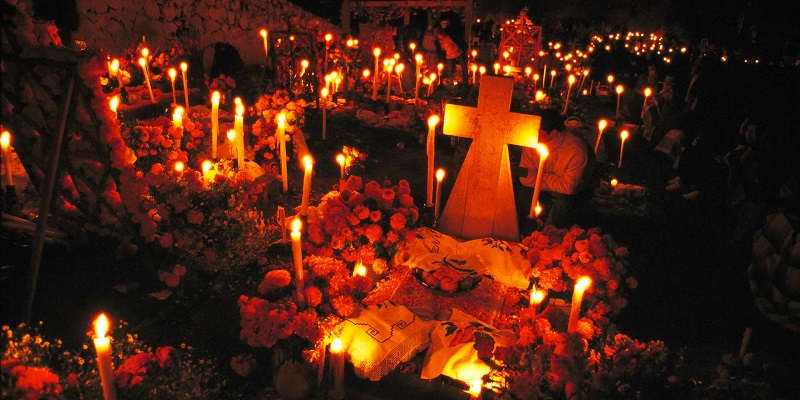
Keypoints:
pixel 45 202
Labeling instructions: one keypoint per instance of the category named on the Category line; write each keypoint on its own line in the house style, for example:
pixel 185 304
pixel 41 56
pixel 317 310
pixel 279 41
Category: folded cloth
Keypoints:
pixel 504 261
pixel 383 336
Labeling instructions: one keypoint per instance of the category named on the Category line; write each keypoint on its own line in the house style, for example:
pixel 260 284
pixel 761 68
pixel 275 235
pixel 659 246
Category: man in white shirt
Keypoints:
pixel 567 171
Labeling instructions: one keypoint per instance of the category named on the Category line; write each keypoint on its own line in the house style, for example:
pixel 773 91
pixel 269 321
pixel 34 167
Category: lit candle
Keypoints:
pixel 281 220
pixel 340 160
pixel 481 71
pixel 179 167
pixel 238 126
pixel 601 125
pixel 172 74
pixel 440 68
pixel 581 285
pixel 265 35
pixel 412 46
pixel 308 162
pixel 115 71
pixel 528 71
pixel 184 68
pixel 5 143
pixel 328 38
pixel 647 93
pixel 552 78
pixel 337 367
pixel 433 120
pixel 474 68
pixel 282 142
pixel 437 205
pixel 570 82
pixel 623 136
pixel 535 80
pixel 537 296
pixel 475 388
pixel 431 80
pixel 359 269
pixel 399 70
pixel 543 153
pixel 619 89
pixel 297 252
pixel 544 76
pixel 214 122
pixel 113 104
pixel 474 54
pixel 418 63
pixel 177 117
pixel 304 66
pixel 614 182
pixel 143 64
pixel 323 99
pixel 377 53
pixel 388 81
pixel 232 143
pixel 506 69
pixel 583 80
pixel 610 79
pixel 207 173
pixel 102 345
pixel 496 67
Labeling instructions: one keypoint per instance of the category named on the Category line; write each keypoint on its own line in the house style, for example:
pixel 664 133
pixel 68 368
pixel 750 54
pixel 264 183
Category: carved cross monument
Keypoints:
pixel 482 202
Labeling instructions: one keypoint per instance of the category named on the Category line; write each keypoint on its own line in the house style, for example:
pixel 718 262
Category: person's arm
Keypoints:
pixel 566 181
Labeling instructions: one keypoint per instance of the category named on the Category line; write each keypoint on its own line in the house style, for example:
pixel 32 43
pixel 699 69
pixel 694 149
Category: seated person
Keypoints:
pixel 567 172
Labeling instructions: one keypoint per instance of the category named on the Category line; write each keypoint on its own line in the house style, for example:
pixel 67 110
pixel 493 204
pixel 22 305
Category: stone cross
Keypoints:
pixel 482 204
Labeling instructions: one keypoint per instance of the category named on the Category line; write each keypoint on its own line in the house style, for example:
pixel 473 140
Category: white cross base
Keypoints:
pixel 482 202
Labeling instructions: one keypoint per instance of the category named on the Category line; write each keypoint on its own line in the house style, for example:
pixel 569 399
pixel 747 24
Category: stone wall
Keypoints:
pixel 114 25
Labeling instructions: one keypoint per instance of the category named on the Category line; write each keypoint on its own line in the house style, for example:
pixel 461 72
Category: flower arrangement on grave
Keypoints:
pixel 368 221
pixel 264 130
pixel 274 316
pixel 34 367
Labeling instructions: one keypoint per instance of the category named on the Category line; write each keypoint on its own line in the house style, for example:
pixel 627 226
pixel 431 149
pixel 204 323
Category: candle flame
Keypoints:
pixel 418 57
pixel 172 73
pixel 537 296
pixel 602 124
pixel 571 79
pixel 340 159
pixel 619 89
pixel 528 70
pixel 142 62
pixel 396 56
pixel 647 92
pixel 538 209
pixel 360 270
pixel 614 182
pixel 535 77
pixel 542 149
pixel 439 174
pixel 475 387
pixel 240 110
pixel 624 134
pixel 585 72
pixel 324 93
pixel 263 33
pixel 308 161
pixel 539 95
pixel 145 52
pixel 496 67
pixel 583 283
pixel 101 326
pixel 281 119
pixel 115 65
pixel 432 76
pixel 296 224
pixel 376 52
pixel 399 68
pixel 474 67
pixel 237 100
pixel 5 139
pixel 440 67
pixel 610 78
pixel 231 135
pixel 482 70
pixel 553 73
pixel 215 96
pixel 178 111
pixel 113 103
pixel 336 345
pixel 304 63
pixel 206 166
pixel 412 46
pixel 328 37
pixel 184 66
pixel 366 73
pixel 433 120
pixel 179 166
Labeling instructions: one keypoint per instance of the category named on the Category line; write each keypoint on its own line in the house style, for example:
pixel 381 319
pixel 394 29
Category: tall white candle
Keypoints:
pixel 115 71
pixel 232 144
pixel 238 126
pixel 308 162
pixel 577 297
pixel 601 126
pixel 143 64
pixel 5 142
pixel 388 81
pixel 377 53
pixel 433 120
pixel 647 93
pixel 297 252
pixel 113 104
pixel 474 69
pixel 418 63
pixel 184 68
pixel 282 143
pixel 177 117
pixel 340 160
pixel 323 99
pixel 172 75
pixel 102 345
pixel 438 203
pixel 619 89
pixel 623 136
pixel 214 123
pixel 570 82
pixel 337 368
pixel 537 187
pixel 265 35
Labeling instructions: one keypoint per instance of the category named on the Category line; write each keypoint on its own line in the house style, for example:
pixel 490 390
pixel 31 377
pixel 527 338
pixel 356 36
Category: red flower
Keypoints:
pixel 344 306
pixel 165 240
pixel 354 183
pixel 164 356
pixel 313 296
pixel 373 233
pixel 275 279
pixel 195 217
pixel 398 222
pixel 132 371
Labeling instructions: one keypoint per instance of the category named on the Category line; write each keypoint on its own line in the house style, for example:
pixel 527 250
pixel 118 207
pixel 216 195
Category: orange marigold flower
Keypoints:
pixel 373 233
pixel 313 296
pixel 398 221
pixel 275 279
pixel 344 305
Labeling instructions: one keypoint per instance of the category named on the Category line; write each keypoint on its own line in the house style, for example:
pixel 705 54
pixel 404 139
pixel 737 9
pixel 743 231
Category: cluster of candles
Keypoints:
pixel 144 63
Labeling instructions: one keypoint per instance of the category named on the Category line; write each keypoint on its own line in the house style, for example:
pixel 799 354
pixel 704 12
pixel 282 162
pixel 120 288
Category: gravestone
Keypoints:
pixel 482 201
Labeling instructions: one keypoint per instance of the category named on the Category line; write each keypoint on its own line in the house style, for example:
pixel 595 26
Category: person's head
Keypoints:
pixel 551 123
